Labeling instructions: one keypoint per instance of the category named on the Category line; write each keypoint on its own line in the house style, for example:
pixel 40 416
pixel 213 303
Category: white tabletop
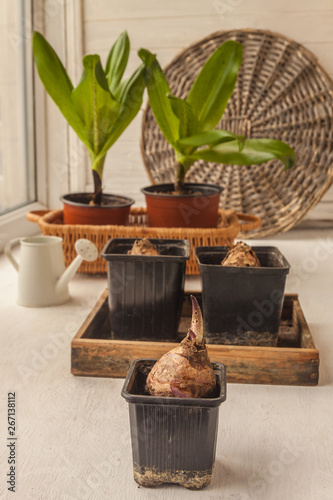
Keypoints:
pixel 73 436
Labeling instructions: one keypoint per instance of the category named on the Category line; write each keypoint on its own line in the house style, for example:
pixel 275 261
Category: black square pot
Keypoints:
pixel 146 292
pixel 173 439
pixel 242 305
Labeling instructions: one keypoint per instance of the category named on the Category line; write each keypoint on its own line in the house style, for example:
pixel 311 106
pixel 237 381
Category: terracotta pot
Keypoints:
pixel 189 210
pixel 115 210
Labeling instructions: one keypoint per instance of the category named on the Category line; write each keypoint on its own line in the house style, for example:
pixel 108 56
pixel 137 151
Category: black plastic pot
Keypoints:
pixel 173 439
pixel 146 292
pixel 242 305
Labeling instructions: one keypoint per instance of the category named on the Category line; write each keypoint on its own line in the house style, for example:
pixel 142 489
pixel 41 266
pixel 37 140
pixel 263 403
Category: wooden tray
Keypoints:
pixel 294 362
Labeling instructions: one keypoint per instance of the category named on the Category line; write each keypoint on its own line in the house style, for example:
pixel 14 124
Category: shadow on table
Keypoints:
pixel 325 348
pixel 246 481
pixel 230 482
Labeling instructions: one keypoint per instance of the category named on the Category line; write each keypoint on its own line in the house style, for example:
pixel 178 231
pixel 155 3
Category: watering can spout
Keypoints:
pixel 86 250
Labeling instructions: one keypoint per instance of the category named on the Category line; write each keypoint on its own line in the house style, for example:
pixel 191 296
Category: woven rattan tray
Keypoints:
pixel 51 224
pixel 283 93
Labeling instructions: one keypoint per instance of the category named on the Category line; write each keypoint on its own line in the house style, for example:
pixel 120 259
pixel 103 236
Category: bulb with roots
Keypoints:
pixel 186 371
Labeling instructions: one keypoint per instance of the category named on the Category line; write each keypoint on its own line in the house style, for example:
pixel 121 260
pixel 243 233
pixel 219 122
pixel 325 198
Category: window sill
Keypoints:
pixel 15 224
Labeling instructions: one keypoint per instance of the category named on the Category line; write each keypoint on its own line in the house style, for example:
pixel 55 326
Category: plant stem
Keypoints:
pixel 97 198
pixel 180 178
pixel 97 170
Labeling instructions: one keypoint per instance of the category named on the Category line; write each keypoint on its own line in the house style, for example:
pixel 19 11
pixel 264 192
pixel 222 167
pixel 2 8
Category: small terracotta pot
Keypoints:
pixel 189 210
pixel 115 210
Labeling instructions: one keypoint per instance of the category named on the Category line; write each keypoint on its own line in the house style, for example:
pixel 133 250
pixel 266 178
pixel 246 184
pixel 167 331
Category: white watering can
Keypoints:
pixel 43 278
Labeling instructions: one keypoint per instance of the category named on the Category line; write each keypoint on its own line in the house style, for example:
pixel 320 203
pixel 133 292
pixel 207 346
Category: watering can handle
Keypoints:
pixel 9 254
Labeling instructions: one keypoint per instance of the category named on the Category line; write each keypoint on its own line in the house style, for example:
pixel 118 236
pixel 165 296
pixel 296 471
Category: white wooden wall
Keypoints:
pixel 167 26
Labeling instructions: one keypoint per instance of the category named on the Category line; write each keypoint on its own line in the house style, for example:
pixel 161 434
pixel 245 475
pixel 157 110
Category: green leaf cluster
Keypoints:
pixel 188 124
pixel 102 105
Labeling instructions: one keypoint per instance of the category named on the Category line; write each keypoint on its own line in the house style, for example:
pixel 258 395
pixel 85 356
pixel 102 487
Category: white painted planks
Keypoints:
pixel 168 27
pixel 143 9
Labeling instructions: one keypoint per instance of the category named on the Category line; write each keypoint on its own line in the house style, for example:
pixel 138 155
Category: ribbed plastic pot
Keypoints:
pixel 114 211
pixel 173 439
pixel 198 208
pixel 146 292
pixel 242 305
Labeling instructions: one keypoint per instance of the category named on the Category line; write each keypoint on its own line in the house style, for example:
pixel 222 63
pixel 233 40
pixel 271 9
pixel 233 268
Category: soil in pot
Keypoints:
pixel 173 439
pixel 242 305
pixel 146 291
pixel 196 208
pixel 78 209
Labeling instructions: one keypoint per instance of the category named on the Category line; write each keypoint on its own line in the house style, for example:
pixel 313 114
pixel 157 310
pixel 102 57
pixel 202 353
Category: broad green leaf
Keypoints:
pixel 91 109
pixel 123 86
pixel 255 151
pixel 128 86
pixel 94 103
pixel 57 83
pixel 119 90
pixel 188 122
pixel 158 89
pixel 214 85
pixel 117 61
pixel 212 138
pixel 130 103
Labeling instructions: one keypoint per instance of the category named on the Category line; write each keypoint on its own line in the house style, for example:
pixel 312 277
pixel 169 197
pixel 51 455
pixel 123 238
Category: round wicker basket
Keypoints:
pixel 282 93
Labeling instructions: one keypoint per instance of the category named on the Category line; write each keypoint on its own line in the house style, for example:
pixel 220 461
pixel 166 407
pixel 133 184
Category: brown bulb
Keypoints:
pixel 241 255
pixel 185 371
pixel 143 247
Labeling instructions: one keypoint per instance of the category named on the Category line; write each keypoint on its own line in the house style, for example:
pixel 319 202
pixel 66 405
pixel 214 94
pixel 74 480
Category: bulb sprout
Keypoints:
pixel 197 322
pixel 185 371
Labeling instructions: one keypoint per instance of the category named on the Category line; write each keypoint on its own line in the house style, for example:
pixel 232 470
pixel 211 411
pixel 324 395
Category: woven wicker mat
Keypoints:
pixel 283 93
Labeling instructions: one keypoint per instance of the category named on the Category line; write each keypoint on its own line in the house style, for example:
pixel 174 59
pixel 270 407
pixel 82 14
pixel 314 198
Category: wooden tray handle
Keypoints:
pixel 252 222
pixel 35 215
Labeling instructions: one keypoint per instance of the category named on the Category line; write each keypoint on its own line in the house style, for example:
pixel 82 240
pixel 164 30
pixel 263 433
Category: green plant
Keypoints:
pixel 188 124
pixel 101 106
